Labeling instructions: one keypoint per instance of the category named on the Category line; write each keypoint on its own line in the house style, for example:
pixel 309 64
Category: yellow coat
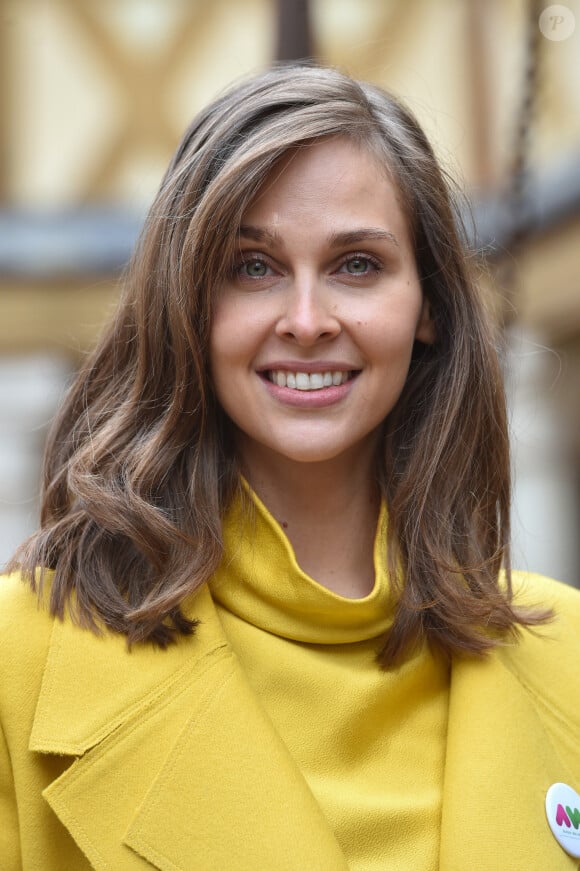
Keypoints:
pixel 167 760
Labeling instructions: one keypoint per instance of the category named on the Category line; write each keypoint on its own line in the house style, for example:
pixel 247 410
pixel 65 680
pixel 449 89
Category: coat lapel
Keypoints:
pixel 178 765
pixel 501 760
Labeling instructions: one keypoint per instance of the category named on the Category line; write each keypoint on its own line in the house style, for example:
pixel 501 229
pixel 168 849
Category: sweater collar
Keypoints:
pixel 260 581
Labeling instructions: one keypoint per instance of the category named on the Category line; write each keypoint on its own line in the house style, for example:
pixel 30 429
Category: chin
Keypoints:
pixel 307 454
pixel 310 453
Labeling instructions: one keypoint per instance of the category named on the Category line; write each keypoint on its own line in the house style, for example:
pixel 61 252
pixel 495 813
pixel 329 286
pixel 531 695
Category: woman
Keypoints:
pixel 272 633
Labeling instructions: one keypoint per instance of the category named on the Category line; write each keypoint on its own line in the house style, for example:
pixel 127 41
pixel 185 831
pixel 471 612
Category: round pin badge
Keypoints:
pixel 563 812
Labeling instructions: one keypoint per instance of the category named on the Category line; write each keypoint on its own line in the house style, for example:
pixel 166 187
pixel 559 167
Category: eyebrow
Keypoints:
pixel 352 237
pixel 336 240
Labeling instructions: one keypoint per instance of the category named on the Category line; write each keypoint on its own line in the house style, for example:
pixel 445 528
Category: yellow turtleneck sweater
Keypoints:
pixel 370 744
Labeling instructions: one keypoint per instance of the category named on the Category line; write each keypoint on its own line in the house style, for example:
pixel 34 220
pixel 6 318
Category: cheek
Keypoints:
pixel 242 325
pixel 220 361
pixel 226 335
pixel 234 341
pixel 391 339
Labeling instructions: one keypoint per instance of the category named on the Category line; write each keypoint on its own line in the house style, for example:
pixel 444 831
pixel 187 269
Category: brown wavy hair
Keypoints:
pixel 140 465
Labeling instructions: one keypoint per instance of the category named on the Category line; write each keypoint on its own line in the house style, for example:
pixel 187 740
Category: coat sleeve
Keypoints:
pixel 9 830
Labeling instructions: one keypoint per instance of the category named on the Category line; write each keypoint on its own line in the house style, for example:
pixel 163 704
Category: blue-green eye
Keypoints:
pixel 255 268
pixel 357 265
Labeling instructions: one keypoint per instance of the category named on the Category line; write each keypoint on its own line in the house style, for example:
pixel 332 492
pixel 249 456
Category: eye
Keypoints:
pixel 359 264
pixel 254 268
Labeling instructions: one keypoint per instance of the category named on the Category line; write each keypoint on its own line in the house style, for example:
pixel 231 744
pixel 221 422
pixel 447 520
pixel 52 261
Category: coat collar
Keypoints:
pixel 177 759
pixel 178 765
pixel 92 684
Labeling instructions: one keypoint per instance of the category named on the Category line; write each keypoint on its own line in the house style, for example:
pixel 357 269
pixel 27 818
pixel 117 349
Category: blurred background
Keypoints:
pixel 94 95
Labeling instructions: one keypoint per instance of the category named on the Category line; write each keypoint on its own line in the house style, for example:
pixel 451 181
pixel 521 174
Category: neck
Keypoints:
pixel 329 513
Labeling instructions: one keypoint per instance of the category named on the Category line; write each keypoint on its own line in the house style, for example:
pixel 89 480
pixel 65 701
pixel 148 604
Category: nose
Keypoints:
pixel 309 314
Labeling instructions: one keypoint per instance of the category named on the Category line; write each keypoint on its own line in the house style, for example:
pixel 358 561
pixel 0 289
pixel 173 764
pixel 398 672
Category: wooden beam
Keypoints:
pixel 64 315
pixel 7 78
pixel 479 102
pixel 294 38
pixel 142 84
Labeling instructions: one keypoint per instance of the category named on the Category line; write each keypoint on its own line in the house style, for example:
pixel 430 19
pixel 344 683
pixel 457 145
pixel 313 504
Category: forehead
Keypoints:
pixel 331 160
pixel 330 184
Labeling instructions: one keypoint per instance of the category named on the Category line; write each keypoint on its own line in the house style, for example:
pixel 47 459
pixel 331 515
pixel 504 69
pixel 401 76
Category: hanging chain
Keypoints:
pixel 508 275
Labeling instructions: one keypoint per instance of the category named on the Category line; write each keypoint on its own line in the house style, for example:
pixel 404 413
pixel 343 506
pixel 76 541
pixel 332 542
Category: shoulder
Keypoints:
pixel 25 621
pixel 535 590
pixel 25 631
pixel 532 583
pixel 545 659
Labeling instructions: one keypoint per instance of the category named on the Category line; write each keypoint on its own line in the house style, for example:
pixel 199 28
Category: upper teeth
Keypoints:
pixel 307 381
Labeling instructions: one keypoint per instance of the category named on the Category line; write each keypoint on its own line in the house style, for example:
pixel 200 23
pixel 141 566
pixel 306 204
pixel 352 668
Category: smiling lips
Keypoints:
pixel 308 380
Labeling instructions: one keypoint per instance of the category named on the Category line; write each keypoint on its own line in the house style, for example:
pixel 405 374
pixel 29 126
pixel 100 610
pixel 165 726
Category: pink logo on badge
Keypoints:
pixel 563 813
pixel 562 817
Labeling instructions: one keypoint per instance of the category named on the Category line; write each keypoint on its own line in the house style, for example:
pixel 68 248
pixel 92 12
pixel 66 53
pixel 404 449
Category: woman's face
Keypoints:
pixel 313 331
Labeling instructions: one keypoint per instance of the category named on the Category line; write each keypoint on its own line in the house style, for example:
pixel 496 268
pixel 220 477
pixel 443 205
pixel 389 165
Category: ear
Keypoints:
pixel 425 331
